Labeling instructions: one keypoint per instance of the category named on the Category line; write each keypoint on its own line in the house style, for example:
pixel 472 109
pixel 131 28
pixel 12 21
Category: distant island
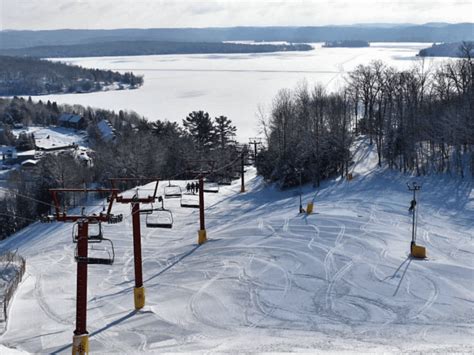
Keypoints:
pixel 347 43
pixel 30 76
pixel 455 50
pixel 130 48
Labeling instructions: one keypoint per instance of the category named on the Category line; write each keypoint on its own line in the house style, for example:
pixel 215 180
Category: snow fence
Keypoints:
pixel 12 269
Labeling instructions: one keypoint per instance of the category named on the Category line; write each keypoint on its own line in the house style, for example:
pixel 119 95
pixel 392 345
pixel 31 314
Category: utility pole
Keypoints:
pixel 255 142
pixel 80 342
pixel 139 290
pixel 415 250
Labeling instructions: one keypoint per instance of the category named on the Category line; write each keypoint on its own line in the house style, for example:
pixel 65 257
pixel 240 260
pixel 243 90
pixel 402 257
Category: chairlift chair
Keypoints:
pixel 173 191
pixel 95 234
pixel 159 218
pixel 146 209
pixel 190 201
pixel 103 256
pixel 115 218
pixel 212 187
pixel 225 181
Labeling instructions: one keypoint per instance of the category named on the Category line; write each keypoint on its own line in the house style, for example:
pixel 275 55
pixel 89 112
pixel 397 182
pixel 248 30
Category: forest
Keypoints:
pixel 448 50
pixel 142 148
pixel 420 121
pixel 126 48
pixel 30 76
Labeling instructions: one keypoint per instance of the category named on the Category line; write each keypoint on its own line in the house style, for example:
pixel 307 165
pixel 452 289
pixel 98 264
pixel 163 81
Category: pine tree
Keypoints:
pixel 201 129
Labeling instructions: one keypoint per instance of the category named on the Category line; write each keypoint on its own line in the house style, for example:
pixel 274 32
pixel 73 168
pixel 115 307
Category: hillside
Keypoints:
pixel 448 50
pixel 30 76
pixel 130 48
pixel 434 32
pixel 268 279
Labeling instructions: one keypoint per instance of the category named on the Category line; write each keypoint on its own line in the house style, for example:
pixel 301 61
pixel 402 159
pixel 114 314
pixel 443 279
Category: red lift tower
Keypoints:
pixel 80 344
pixel 202 233
pixel 135 200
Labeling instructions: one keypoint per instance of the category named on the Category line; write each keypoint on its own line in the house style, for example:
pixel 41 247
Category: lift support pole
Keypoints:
pixel 80 340
pixel 202 234
pixel 139 290
pixel 242 172
pixel 80 345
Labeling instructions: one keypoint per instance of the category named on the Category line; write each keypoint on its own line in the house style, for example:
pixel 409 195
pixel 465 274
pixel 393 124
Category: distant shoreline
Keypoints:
pixel 138 48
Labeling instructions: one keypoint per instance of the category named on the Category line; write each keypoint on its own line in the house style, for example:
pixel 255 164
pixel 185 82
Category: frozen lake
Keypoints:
pixel 234 85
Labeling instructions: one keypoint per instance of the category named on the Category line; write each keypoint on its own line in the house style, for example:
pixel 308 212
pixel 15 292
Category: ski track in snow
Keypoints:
pixel 340 278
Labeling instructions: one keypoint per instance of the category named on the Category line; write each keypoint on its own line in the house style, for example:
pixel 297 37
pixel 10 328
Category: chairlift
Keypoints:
pixel 190 201
pixel 159 218
pixel 212 187
pixel 103 256
pixel 146 208
pixel 94 234
pixel 114 219
pixel 225 181
pixel 173 191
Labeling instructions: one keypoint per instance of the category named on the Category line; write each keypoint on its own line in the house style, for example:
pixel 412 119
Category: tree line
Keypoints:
pixel 140 47
pixel 141 148
pixel 30 76
pixel 420 120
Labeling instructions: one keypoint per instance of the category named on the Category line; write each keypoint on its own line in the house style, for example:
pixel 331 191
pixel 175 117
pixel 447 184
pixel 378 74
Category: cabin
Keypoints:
pixel 107 132
pixel 71 120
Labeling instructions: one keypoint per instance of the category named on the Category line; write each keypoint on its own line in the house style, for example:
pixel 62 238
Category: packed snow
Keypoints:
pixel 54 137
pixel 269 279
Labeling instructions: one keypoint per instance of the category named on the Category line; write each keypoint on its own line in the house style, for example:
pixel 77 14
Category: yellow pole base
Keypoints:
pixel 309 208
pixel 418 252
pixel 139 297
pixel 202 236
pixel 80 344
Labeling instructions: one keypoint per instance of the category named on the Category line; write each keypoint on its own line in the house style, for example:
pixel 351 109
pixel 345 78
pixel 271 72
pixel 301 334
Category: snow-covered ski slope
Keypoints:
pixel 268 279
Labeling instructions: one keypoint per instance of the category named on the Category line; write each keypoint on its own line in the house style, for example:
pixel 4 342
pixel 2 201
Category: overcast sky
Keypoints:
pixel 54 14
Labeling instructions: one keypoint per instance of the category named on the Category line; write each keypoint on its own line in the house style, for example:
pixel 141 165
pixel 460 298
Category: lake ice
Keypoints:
pixel 234 85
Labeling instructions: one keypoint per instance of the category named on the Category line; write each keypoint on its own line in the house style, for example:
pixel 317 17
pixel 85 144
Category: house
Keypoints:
pixel 8 153
pixel 107 132
pixel 71 120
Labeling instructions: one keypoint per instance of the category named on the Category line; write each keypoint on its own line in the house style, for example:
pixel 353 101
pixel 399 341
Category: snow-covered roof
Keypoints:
pixel 69 117
pixel 30 162
pixel 106 130
pixel 26 153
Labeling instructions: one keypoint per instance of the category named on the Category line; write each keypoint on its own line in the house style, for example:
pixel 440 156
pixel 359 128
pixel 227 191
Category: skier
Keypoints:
pixel 192 187
pixel 188 187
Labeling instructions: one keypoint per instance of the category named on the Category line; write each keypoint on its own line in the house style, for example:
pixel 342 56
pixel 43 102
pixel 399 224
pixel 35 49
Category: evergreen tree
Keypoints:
pixel 200 127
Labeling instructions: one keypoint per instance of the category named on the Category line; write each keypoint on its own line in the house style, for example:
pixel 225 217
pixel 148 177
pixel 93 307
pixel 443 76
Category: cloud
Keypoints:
pixel 47 14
